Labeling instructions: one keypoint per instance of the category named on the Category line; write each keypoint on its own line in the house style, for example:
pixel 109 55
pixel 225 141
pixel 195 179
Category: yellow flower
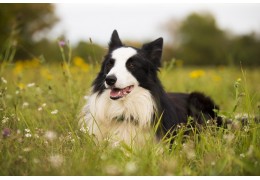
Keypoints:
pixel 216 78
pixel 21 65
pixel 18 68
pixel 196 74
pixel 21 85
pixel 45 73
pixel 80 63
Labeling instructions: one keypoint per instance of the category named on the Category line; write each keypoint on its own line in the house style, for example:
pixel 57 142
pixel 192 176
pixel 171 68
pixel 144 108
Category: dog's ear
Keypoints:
pixel 115 41
pixel 153 51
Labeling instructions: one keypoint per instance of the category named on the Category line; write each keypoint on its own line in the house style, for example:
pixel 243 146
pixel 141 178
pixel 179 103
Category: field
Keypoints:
pixel 39 104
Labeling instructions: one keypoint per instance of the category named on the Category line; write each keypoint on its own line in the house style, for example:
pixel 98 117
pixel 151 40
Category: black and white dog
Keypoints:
pixel 127 97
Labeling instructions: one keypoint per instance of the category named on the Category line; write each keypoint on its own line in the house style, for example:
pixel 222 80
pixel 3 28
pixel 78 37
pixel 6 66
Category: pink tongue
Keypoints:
pixel 118 93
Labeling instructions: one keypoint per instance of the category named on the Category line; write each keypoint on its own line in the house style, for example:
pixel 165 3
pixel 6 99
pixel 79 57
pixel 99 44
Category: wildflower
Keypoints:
pixel 55 111
pixel 196 74
pixel 4 80
pixel 62 43
pixel 189 150
pixel 80 63
pixel 25 104
pixel 21 86
pixel 6 132
pixel 27 130
pixel 28 133
pixel 242 155
pixel 50 135
pixel 5 120
pixel 18 68
pixel 36 161
pixel 82 129
pixel 56 160
pixel 22 159
pixel 216 78
pixel 42 106
pixel 131 167
pixel 30 84
pixel 112 170
pixel 229 137
pixel 27 149
pixel 45 73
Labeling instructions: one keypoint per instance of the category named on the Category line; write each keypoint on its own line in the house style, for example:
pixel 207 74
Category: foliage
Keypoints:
pixel 21 25
pixel 198 40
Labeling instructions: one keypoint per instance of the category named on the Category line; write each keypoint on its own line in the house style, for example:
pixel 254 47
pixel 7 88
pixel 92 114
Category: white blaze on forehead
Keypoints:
pixel 124 77
pixel 121 55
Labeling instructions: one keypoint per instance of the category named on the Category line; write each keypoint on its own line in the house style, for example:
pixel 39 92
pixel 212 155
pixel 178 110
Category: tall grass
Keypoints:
pixel 40 133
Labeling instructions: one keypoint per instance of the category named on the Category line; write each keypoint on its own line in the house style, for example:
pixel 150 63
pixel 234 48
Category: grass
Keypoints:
pixel 39 104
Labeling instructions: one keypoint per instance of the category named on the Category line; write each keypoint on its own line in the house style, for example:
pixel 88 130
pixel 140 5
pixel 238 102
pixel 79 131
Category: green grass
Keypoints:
pixel 39 105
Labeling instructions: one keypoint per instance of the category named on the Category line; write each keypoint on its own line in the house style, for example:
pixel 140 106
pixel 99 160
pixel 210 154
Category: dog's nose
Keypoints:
pixel 111 80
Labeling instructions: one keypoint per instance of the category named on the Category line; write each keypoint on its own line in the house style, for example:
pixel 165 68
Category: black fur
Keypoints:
pixel 175 108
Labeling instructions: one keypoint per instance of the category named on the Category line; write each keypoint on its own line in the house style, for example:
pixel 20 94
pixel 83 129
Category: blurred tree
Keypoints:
pixel 24 24
pixel 245 49
pixel 199 40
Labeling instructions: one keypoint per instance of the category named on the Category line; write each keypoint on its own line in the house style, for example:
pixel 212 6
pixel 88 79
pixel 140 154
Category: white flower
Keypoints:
pixel 27 149
pixel 56 160
pixel 25 104
pixel 30 84
pixel 42 106
pixel 4 80
pixel 50 135
pixel 229 137
pixel 242 155
pixel 55 111
pixel 28 135
pixel 82 129
pixel 27 130
pixel 5 120
pixel 131 167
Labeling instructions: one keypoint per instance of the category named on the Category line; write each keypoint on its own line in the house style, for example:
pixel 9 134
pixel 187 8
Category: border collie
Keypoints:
pixel 127 98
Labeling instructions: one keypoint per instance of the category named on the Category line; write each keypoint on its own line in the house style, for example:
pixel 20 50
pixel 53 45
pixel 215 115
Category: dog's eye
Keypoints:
pixel 131 65
pixel 110 63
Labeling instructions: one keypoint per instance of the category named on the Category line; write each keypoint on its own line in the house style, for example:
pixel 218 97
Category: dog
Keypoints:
pixel 127 98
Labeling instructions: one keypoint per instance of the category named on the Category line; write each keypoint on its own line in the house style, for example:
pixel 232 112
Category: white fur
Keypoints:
pixel 124 77
pixel 101 112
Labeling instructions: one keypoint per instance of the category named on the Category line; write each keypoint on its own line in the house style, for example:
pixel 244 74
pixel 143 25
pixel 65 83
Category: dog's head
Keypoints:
pixel 124 68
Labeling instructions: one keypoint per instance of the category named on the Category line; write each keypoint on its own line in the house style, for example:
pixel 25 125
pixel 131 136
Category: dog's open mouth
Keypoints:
pixel 117 93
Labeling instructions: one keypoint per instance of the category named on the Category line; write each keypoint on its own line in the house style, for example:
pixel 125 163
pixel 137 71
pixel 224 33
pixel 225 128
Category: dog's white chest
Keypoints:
pixel 128 119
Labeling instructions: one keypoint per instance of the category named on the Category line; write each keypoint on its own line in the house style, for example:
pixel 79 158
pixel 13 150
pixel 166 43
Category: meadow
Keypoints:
pixel 40 102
